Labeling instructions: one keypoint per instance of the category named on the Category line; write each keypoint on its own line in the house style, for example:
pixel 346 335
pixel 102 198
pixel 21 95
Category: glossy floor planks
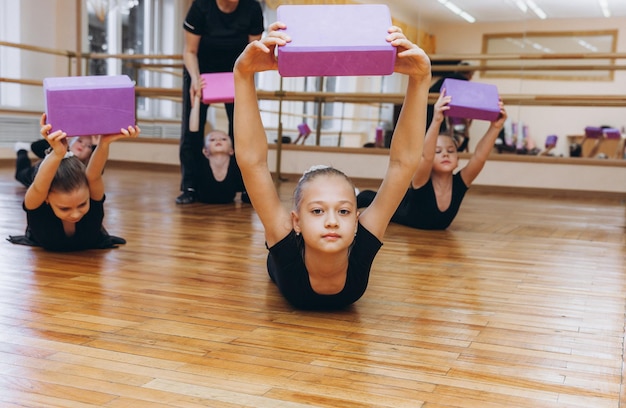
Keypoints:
pixel 520 303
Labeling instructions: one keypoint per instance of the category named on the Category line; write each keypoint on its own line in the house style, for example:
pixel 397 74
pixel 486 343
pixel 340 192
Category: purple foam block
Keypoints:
pixel 593 132
pixel 551 140
pixel 612 133
pixel 218 87
pixel 336 40
pixel 89 105
pixel 472 100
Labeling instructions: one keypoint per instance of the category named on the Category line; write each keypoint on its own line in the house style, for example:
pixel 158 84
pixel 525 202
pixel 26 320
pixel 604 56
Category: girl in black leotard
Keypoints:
pixel 321 251
pixel 436 191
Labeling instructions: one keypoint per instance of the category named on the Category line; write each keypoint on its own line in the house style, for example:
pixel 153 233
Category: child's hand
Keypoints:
pixel 260 55
pixel 441 106
pixel 131 131
pixel 410 59
pixel 499 123
pixel 195 90
pixel 57 139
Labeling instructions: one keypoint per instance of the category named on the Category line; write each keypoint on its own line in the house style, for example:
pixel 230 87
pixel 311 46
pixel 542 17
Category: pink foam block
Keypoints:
pixel 304 129
pixel 336 40
pixel 218 87
pixel 472 100
pixel 89 105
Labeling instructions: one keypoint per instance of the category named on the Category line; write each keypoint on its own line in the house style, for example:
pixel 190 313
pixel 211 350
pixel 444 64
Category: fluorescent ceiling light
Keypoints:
pixel 535 8
pixel 521 5
pixel 605 8
pixel 458 11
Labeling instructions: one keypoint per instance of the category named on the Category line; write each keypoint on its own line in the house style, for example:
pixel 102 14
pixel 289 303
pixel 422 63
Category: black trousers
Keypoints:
pixel 24 169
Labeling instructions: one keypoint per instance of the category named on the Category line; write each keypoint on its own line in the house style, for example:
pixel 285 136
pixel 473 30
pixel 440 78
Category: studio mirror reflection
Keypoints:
pixel 552 74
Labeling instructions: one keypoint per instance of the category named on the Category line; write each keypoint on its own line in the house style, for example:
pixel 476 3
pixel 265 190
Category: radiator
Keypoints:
pixel 26 129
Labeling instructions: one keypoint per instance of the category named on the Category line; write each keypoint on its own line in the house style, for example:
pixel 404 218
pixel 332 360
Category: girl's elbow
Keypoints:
pixel 92 178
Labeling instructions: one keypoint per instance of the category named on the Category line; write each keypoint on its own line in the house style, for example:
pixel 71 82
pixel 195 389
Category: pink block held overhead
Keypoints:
pixel 472 100
pixel 336 40
pixel 218 87
pixel 89 105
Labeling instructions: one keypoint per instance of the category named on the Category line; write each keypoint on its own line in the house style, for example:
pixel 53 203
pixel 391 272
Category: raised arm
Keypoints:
pixel 38 190
pixel 190 60
pixel 406 145
pixel 250 138
pixel 484 147
pixel 95 168
pixel 425 166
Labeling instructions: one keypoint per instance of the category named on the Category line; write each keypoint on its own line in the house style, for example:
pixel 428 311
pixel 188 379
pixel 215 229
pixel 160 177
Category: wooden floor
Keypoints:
pixel 521 303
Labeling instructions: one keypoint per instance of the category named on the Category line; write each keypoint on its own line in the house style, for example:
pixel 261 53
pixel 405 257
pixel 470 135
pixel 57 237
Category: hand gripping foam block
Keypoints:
pixel 336 40
pixel 218 87
pixel 89 105
pixel 472 100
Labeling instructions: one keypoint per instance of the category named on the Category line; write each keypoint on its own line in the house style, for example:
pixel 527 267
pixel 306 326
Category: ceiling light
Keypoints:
pixel 535 8
pixel 522 5
pixel 605 8
pixel 458 11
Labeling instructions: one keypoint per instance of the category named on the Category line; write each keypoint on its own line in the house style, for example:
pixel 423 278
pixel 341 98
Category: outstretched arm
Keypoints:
pixel 95 168
pixel 406 145
pixel 425 166
pixel 476 163
pixel 38 190
pixel 190 60
pixel 250 138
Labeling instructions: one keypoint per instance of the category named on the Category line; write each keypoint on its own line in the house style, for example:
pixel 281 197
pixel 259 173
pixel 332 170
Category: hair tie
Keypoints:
pixel 68 155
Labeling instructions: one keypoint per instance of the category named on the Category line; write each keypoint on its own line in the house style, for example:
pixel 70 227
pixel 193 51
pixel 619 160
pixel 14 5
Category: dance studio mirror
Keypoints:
pixel 535 45
pixel 551 59
pixel 574 72
pixel 549 93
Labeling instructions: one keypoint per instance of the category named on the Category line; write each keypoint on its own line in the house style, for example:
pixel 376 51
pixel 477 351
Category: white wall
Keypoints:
pixel 532 173
pixel 464 38
pixel 49 24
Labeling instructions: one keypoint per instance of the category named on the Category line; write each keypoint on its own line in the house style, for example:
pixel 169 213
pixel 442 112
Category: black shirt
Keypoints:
pixel 418 208
pixel 211 191
pixel 223 35
pixel 46 229
pixel 285 265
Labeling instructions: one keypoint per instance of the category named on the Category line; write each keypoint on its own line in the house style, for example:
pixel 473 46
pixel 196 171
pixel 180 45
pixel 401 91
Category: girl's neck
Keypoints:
pixel 226 6
pixel 327 272
pixel 219 166
pixel 441 178
pixel 220 160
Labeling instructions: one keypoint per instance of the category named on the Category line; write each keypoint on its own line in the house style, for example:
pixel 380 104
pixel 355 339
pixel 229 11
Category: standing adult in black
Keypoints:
pixel 216 32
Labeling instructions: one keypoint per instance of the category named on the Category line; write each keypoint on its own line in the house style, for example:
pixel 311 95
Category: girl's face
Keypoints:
pixel 218 142
pixel 82 148
pixel 327 217
pixel 70 207
pixel 446 156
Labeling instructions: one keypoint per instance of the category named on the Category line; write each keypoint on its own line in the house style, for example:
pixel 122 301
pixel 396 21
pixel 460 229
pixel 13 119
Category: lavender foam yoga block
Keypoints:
pixel 89 105
pixel 218 87
pixel 472 100
pixel 336 40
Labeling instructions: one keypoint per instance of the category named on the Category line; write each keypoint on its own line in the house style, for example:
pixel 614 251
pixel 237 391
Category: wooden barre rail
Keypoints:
pixel 434 57
pixel 328 97
pixel 497 57
pixel 35 48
